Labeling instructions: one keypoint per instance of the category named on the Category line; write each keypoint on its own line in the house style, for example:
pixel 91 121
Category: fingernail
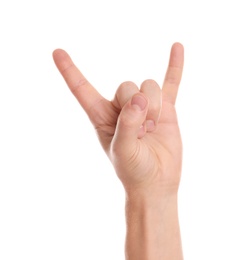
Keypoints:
pixel 139 102
pixel 150 125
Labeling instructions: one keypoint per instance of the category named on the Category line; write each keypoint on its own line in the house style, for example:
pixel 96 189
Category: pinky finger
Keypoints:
pixel 174 73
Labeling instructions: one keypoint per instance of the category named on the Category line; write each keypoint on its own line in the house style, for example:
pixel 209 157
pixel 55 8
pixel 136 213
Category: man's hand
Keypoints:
pixel 139 132
pixel 138 129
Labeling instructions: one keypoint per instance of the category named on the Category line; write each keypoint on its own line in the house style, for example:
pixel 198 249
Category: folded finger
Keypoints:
pixel 153 92
pixel 124 93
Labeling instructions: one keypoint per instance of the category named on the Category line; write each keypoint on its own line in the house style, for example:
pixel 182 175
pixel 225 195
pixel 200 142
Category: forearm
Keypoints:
pixel 152 227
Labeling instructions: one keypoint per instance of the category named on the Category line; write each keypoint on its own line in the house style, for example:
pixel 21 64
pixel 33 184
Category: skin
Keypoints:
pixel 139 132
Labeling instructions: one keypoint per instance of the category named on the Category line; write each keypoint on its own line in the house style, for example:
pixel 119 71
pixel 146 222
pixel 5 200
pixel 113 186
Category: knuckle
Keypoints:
pixel 79 84
pixel 124 87
pixel 149 85
pixel 149 82
pixel 125 91
pixel 126 84
pixel 66 69
pixel 172 76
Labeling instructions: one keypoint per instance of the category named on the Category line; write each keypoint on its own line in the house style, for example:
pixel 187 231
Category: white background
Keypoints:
pixel 59 196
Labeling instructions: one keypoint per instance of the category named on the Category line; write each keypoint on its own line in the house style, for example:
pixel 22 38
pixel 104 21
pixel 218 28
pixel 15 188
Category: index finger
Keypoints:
pixel 85 93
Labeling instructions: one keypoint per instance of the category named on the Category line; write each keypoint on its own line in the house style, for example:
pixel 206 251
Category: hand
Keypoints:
pixel 138 129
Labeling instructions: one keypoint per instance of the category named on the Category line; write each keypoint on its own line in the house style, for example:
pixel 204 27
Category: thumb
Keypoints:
pixel 130 125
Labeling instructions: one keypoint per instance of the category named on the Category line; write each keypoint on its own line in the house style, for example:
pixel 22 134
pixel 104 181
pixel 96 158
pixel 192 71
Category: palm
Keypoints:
pixel 160 148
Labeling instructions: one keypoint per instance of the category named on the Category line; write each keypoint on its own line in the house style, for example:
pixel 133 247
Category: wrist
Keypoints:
pixel 152 226
pixel 152 192
pixel 154 202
